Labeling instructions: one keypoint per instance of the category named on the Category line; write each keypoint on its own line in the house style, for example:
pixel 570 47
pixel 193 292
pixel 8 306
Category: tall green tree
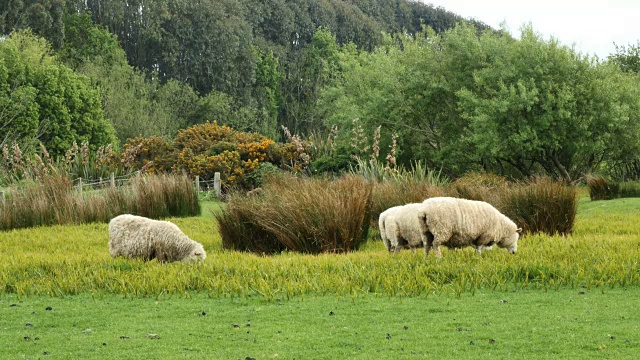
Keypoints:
pixel 45 101
pixel 43 17
pixel 465 101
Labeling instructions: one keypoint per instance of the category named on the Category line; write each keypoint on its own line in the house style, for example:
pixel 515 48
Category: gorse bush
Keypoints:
pixel 299 214
pixel 54 200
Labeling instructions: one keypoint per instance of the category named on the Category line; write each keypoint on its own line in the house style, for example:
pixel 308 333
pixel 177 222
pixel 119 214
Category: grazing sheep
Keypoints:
pixel 139 237
pixel 457 223
pixel 400 228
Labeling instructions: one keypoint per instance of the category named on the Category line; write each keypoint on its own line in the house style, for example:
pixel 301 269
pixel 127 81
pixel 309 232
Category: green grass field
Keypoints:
pixel 573 297
pixel 489 325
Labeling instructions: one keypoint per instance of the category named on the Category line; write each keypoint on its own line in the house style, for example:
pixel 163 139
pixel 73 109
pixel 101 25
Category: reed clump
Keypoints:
pixel 299 214
pixel 54 200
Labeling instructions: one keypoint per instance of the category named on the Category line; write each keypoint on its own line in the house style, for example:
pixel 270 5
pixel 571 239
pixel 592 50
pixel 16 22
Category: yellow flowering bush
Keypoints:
pixel 208 148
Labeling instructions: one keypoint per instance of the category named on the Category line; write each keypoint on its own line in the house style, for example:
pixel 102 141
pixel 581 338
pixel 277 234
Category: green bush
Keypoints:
pixel 629 189
pixel 299 214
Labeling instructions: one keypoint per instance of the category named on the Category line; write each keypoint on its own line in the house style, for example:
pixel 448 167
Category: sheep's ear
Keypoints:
pixel 519 230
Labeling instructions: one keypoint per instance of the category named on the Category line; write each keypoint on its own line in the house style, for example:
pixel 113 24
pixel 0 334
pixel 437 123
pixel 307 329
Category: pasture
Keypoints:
pixel 558 297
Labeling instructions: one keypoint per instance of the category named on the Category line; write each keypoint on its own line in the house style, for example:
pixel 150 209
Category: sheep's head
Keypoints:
pixel 510 242
pixel 197 253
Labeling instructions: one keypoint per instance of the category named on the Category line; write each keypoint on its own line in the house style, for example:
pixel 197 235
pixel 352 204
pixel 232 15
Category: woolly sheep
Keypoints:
pixel 400 228
pixel 139 237
pixel 457 223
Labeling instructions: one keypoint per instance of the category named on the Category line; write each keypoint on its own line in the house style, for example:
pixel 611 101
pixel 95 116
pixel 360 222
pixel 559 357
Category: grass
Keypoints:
pixel 64 260
pixel 578 324
pixel 559 297
pixel 55 201
pixel 299 214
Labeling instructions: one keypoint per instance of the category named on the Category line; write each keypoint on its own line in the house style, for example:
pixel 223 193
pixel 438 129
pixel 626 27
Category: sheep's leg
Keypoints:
pixel 427 250
pixel 436 250
pixel 427 241
pixel 439 239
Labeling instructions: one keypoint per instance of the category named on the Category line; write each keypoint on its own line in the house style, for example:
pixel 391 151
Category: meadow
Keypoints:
pixel 561 297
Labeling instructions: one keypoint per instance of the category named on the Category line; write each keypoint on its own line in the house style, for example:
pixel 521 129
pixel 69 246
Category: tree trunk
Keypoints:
pixel 562 169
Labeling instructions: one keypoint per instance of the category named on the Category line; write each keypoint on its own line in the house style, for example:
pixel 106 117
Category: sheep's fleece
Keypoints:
pixel 457 223
pixel 400 228
pixel 139 237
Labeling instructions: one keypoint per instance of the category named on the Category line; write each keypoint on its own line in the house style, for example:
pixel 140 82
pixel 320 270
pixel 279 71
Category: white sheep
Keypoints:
pixel 400 228
pixel 139 237
pixel 457 223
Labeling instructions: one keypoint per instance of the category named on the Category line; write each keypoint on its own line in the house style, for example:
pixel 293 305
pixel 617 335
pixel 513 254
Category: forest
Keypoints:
pixel 336 80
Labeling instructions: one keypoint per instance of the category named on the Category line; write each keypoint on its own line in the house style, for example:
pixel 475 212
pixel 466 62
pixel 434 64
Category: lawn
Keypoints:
pixel 577 324
pixel 559 297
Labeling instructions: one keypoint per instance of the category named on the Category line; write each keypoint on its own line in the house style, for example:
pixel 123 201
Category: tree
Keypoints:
pixel 42 100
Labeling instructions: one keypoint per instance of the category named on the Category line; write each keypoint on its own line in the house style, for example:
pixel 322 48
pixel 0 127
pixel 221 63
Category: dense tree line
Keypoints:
pixel 223 49
pixel 467 102
pixel 460 95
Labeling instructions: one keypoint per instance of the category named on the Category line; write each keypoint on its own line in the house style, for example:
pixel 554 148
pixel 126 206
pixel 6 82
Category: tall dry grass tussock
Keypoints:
pixel 300 214
pixel 53 200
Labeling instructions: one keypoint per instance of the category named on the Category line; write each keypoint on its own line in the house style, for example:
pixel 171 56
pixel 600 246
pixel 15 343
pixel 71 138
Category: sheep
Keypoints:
pixel 139 237
pixel 400 228
pixel 457 223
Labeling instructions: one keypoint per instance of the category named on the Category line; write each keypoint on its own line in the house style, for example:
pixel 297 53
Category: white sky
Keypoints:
pixel 592 26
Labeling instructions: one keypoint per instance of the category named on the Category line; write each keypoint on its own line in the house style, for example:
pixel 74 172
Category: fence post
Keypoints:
pixel 216 184
pixel 197 184
pixel 80 186
pixel 113 180
pixel 2 199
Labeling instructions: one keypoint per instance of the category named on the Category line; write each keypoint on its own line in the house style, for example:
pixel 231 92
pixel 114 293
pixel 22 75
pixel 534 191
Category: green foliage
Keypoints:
pixel 53 200
pixel 627 57
pixel 43 17
pixel 46 101
pixel 467 101
pixel 303 215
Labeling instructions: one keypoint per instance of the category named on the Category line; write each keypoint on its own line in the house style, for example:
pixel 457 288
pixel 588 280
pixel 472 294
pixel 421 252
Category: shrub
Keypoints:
pixel 542 205
pixel 391 193
pixel 53 200
pixel 602 189
pixel 299 214
pixel 164 195
pixel 629 189
pixel 240 230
